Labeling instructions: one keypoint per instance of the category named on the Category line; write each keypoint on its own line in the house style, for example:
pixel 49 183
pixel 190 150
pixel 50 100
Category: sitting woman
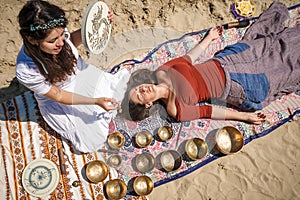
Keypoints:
pixel 74 98
pixel 247 75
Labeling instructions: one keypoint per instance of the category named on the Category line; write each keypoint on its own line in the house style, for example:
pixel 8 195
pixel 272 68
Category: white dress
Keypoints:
pixel 86 126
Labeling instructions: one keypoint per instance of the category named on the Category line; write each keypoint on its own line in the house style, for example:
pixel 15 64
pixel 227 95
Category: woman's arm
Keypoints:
pixel 186 112
pixel 69 98
pixel 213 34
pixel 222 113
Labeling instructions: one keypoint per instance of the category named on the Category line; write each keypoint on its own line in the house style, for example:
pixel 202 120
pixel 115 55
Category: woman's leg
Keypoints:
pixel 275 56
pixel 270 22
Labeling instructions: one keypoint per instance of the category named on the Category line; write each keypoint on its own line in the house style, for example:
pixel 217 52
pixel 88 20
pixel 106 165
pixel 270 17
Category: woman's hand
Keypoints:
pixel 215 33
pixel 110 16
pixel 107 103
pixel 256 118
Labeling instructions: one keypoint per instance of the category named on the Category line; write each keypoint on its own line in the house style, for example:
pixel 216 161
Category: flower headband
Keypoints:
pixel 51 24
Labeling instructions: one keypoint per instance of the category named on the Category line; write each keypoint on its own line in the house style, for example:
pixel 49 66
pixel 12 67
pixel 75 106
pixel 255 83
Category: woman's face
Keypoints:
pixel 54 42
pixel 144 94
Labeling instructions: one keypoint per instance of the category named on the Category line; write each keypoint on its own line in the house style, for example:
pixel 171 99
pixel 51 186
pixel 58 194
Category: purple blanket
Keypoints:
pixel 266 62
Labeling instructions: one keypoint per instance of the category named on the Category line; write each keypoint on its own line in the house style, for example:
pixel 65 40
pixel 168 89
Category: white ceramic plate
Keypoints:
pixel 40 177
pixel 95 27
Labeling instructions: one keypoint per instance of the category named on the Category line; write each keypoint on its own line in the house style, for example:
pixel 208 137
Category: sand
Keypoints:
pixel 267 168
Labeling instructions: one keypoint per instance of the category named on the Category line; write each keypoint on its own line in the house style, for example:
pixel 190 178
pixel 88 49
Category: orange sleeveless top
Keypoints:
pixel 194 84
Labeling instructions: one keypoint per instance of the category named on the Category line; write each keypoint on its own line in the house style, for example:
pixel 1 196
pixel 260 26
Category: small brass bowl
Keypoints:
pixel 96 171
pixel 116 140
pixel 116 189
pixel 196 148
pixel 229 140
pixel 144 162
pixel 170 160
pixel 165 133
pixel 143 185
pixel 143 139
pixel 114 160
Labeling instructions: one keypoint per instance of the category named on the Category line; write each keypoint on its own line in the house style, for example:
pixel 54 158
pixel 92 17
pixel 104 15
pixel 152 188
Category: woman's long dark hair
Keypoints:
pixel 131 110
pixel 58 68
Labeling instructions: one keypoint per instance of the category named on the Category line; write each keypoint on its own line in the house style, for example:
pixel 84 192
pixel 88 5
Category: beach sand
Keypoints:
pixel 266 168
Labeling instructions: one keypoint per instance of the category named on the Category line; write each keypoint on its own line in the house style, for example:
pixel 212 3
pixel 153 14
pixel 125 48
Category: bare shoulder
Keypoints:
pixel 163 77
pixel 160 74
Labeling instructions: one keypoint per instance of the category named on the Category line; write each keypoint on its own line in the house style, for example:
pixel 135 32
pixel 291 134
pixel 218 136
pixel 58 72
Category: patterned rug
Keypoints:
pixel 277 112
pixel 24 135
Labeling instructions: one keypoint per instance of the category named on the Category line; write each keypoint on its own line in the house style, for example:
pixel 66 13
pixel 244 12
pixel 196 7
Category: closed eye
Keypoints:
pixel 140 97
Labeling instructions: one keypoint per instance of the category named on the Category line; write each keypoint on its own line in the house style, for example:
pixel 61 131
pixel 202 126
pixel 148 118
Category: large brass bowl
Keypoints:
pixel 165 133
pixel 116 140
pixel 196 148
pixel 144 162
pixel 143 139
pixel 170 160
pixel 116 189
pixel 229 140
pixel 96 171
pixel 143 185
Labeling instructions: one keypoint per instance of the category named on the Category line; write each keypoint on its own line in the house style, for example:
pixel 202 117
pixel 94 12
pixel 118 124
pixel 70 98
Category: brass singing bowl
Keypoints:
pixel 229 140
pixel 116 140
pixel 114 160
pixel 196 148
pixel 165 133
pixel 96 171
pixel 170 160
pixel 116 189
pixel 143 185
pixel 143 139
pixel 144 162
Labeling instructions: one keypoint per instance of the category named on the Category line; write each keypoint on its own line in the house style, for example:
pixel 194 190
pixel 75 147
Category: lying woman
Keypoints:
pixel 248 75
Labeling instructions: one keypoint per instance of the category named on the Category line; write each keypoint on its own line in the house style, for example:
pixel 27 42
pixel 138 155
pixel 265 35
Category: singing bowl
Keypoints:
pixel 114 160
pixel 144 162
pixel 196 148
pixel 116 140
pixel 116 189
pixel 165 133
pixel 170 160
pixel 143 185
pixel 229 140
pixel 143 139
pixel 96 171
